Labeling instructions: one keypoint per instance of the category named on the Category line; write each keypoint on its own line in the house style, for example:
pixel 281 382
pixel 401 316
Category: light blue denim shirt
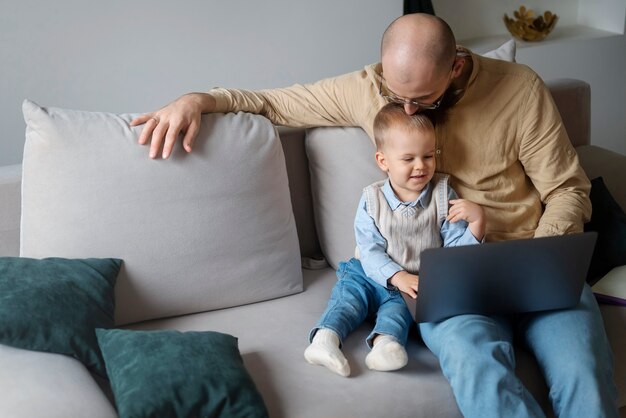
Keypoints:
pixel 373 246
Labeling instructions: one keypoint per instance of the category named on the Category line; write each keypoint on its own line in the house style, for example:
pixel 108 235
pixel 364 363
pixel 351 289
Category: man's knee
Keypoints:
pixel 475 339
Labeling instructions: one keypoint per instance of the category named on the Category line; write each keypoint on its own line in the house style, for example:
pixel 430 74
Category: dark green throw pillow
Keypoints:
pixel 55 305
pixel 609 221
pixel 178 374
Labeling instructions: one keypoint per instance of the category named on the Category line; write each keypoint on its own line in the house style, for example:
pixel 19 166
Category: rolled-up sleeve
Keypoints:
pixel 346 100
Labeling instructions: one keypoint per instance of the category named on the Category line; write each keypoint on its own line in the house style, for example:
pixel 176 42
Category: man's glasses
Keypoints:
pixel 392 98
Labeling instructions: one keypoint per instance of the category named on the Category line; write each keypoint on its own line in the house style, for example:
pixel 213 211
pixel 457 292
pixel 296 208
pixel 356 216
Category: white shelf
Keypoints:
pixel 559 34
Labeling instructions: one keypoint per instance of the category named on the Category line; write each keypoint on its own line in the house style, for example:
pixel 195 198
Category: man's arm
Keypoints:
pixel 551 163
pixel 346 100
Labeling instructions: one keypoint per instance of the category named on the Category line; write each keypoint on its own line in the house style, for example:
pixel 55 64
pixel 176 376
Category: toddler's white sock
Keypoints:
pixel 324 351
pixel 386 355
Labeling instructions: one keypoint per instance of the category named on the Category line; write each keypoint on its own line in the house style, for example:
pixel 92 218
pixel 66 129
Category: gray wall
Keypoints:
pixel 135 55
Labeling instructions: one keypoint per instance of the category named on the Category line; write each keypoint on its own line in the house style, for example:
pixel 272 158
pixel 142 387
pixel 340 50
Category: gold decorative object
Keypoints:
pixel 527 27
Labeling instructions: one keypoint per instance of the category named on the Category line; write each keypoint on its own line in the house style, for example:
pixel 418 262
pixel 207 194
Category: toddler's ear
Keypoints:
pixel 381 161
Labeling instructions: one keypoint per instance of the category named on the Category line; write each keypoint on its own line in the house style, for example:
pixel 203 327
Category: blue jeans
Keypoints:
pixel 355 297
pixel 571 347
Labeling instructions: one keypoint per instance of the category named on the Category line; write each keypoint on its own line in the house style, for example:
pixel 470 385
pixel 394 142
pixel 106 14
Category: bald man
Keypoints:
pixel 504 146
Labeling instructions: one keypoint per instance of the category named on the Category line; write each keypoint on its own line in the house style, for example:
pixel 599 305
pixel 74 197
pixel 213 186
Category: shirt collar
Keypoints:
pixel 394 202
pixel 475 64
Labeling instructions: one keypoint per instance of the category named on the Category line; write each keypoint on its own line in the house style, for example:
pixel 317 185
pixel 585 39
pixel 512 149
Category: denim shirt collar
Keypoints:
pixel 394 202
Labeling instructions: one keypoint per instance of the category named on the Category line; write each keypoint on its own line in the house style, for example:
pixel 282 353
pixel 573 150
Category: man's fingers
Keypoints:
pixel 141 119
pixel 170 140
pixel 190 136
pixel 158 134
pixel 146 132
pixel 162 133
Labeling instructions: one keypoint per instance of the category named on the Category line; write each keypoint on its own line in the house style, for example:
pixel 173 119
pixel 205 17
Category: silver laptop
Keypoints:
pixel 505 277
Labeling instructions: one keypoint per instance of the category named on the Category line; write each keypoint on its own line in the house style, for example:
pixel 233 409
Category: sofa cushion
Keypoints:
pixel 609 221
pixel 171 373
pixel 55 305
pixel 44 385
pixel 10 181
pixel 341 162
pixel 505 52
pixel 197 232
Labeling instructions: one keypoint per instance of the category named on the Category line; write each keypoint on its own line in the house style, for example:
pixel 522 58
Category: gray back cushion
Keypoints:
pixel 198 232
pixel 341 161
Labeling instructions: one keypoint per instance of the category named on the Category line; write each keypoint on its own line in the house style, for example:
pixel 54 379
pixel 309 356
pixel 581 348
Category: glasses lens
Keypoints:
pixel 401 101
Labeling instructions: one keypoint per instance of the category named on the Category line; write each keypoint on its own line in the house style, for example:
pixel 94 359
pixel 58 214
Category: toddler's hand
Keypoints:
pixel 472 213
pixel 406 282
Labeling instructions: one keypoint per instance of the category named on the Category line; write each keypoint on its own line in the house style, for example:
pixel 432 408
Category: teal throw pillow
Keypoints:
pixel 56 304
pixel 178 374
pixel 609 221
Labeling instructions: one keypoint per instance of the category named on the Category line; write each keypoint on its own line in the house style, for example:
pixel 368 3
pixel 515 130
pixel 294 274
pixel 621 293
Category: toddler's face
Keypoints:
pixel 408 157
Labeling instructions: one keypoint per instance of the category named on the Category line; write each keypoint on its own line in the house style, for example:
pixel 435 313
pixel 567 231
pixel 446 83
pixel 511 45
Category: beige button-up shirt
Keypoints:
pixel 503 143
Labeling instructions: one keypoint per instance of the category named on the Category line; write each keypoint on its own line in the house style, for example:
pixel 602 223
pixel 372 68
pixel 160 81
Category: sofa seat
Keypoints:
pixel 274 334
pixel 272 338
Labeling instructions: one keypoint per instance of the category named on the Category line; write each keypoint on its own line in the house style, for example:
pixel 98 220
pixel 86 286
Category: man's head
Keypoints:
pixel 419 60
pixel 405 149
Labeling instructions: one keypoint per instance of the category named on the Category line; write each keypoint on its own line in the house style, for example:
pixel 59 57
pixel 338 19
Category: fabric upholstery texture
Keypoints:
pixel 10 211
pixel 54 305
pixel 341 161
pixel 574 102
pixel 191 230
pixel 174 374
pixel 44 385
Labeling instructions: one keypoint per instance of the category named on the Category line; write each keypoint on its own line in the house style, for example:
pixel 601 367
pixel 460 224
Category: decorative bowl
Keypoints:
pixel 527 27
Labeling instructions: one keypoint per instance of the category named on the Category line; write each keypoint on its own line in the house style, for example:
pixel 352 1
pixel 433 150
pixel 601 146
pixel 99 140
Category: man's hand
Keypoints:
pixel 182 116
pixel 406 282
pixel 472 213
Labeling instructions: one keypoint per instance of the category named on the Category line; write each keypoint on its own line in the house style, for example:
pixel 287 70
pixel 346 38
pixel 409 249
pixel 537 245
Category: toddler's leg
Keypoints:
pixel 324 351
pixel 347 308
pixel 386 355
pixel 390 334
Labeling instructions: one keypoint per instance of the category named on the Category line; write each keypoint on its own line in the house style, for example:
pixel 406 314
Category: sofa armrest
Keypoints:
pixel 611 166
pixel 10 204
pixel 573 99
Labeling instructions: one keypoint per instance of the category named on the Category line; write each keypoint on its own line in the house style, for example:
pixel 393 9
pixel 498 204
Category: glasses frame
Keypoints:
pixel 424 106
pixel 402 101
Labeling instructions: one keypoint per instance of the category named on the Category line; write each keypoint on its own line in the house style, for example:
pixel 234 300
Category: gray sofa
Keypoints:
pixel 272 328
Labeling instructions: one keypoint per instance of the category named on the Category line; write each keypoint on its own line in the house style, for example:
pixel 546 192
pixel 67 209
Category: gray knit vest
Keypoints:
pixel 409 229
